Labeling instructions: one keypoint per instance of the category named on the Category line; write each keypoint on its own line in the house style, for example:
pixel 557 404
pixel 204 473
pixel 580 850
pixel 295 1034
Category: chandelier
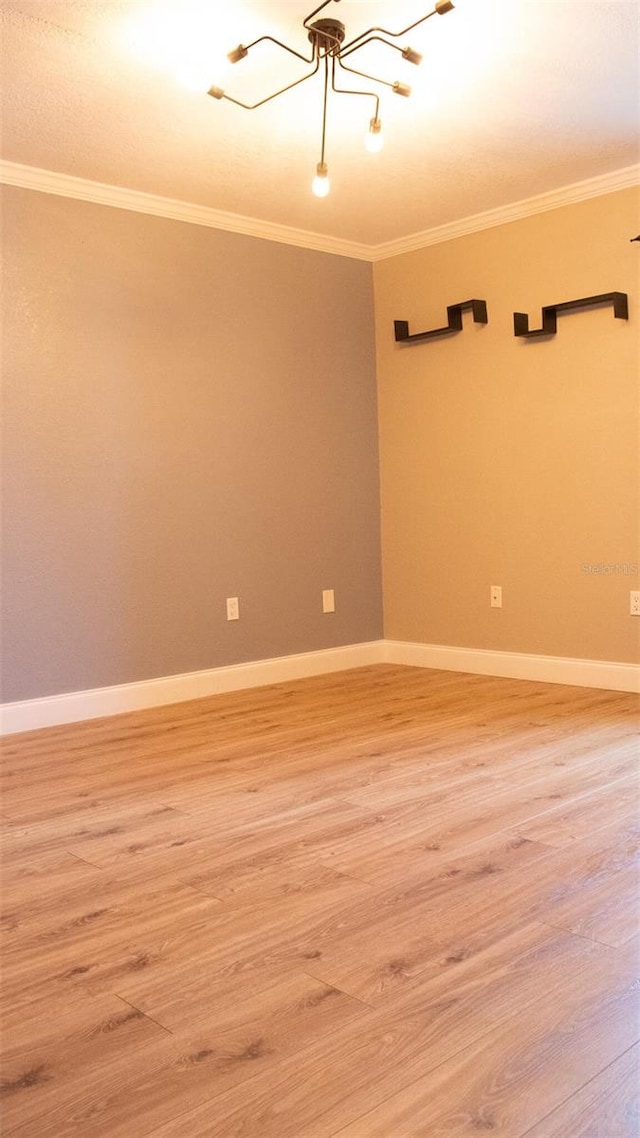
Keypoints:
pixel 328 52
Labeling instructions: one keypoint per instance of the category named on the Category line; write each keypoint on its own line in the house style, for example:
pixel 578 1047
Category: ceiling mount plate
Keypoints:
pixel 327 35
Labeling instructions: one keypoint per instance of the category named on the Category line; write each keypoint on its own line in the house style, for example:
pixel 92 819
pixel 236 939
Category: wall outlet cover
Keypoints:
pixel 328 600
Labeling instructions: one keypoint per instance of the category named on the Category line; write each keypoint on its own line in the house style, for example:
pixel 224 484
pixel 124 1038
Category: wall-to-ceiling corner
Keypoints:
pixel 508 461
pixel 189 414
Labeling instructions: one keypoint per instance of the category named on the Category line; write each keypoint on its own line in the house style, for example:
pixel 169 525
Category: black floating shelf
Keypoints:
pixel 453 325
pixel 551 311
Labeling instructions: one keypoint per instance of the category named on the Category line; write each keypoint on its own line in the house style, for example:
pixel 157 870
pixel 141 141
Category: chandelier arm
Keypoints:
pixel 252 106
pixel 395 46
pixel 364 75
pixel 272 39
pixel 324 106
pixel 385 32
pixel 342 91
pixel 307 19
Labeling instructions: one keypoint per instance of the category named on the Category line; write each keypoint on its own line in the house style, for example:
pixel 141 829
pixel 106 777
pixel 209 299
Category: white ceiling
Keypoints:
pixel 514 98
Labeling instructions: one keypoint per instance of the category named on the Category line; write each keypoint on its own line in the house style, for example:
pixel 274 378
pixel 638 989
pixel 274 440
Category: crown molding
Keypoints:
pixel 69 186
pixel 554 199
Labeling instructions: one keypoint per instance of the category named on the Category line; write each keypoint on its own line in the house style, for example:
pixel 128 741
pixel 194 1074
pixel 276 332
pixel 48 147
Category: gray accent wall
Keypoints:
pixel 188 414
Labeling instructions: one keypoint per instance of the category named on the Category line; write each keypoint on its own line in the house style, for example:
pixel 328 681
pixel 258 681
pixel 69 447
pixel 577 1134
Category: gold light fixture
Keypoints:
pixel 329 51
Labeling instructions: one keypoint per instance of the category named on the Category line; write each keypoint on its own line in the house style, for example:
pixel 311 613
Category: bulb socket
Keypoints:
pixel 412 56
pixel 238 53
pixel 443 6
pixel 216 92
pixel 402 89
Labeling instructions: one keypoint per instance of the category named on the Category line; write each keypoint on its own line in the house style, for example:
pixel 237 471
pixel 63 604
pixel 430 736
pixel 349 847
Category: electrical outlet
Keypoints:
pixel 496 596
pixel 233 608
pixel 328 600
pixel 634 602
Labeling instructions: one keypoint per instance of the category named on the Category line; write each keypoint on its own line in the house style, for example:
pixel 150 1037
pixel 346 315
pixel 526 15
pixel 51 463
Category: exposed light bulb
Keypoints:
pixel 195 75
pixel 180 39
pixel 374 140
pixel 321 184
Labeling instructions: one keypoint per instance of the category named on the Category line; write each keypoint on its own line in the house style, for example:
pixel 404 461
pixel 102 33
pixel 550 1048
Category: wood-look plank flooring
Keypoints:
pixel 386 903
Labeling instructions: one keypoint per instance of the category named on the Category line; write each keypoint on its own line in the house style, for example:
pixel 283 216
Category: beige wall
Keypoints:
pixel 511 462
pixel 188 415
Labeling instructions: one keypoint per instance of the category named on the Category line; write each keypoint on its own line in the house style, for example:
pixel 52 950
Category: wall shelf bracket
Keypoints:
pixel 550 313
pixel 454 322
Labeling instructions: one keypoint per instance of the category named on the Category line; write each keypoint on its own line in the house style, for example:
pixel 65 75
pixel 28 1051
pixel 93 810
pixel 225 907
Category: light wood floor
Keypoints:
pixel 387 903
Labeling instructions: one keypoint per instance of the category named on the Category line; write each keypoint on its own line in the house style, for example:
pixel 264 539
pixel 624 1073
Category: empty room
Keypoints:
pixel 320 589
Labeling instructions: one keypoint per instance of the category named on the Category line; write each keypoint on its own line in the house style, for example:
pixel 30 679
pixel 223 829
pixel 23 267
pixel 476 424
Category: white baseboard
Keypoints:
pixel 72 707
pixel 516 665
